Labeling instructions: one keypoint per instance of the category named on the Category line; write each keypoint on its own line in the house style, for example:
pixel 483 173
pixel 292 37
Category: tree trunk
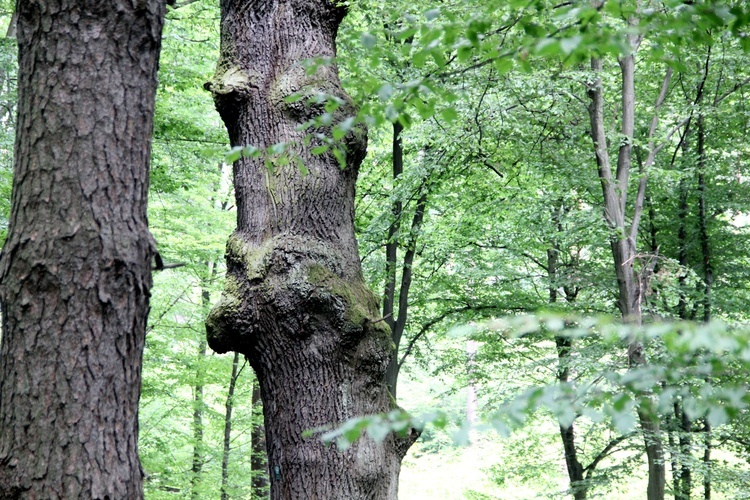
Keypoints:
pixel 707 461
pixel 197 466
pixel 623 239
pixel 295 302
pixel 228 427
pixel 708 279
pixel 198 402
pixel 564 345
pixel 75 271
pixel 258 461
pixel 398 324
pixel 567 433
pixel 391 259
pixel 708 272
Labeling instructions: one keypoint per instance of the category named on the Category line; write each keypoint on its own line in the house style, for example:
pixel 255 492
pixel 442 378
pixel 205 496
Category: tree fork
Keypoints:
pixel 295 302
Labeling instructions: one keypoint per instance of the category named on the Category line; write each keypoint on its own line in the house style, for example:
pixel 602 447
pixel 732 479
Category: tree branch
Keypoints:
pixel 641 194
pixel 589 469
pixel 427 326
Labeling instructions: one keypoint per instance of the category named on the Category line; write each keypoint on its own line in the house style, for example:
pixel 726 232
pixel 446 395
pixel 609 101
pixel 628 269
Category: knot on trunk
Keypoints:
pixel 230 86
pixel 289 289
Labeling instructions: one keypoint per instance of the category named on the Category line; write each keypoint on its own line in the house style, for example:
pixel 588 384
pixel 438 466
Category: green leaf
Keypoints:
pixel 568 45
pixel 717 416
pixel 297 96
pixel 432 14
pixel 340 156
pixel 419 59
pixel 449 115
pixel 464 53
pixel 251 152
pixel 385 92
pixel 233 154
pixel 503 65
pixel 547 47
pixel 368 40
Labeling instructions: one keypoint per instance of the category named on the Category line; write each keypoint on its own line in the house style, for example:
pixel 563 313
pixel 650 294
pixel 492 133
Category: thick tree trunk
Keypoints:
pixel 295 301
pixel 75 271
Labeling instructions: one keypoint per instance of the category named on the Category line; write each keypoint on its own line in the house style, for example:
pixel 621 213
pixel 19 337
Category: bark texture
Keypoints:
pixel 295 301
pixel 75 271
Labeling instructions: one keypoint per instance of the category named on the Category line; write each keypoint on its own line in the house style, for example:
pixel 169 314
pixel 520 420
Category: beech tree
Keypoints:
pixel 75 272
pixel 295 302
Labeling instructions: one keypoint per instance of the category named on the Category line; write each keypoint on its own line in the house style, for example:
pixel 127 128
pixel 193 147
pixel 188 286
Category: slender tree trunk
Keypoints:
pixel 682 242
pixel 682 425
pixel 75 273
pixel 567 433
pixel 708 272
pixel 229 406
pixel 295 302
pixel 197 466
pixel 399 325
pixel 623 239
pixel 258 462
pixel 564 345
pixel 708 278
pixel 707 461
pixel 673 453
pixel 471 390
pixel 198 403
pixel 391 259
pixel 686 445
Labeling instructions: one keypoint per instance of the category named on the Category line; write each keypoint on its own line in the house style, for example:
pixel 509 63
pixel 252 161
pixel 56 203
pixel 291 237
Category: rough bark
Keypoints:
pixel 75 271
pixel 295 301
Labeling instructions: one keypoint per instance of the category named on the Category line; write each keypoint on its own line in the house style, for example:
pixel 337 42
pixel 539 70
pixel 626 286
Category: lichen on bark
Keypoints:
pixel 281 268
